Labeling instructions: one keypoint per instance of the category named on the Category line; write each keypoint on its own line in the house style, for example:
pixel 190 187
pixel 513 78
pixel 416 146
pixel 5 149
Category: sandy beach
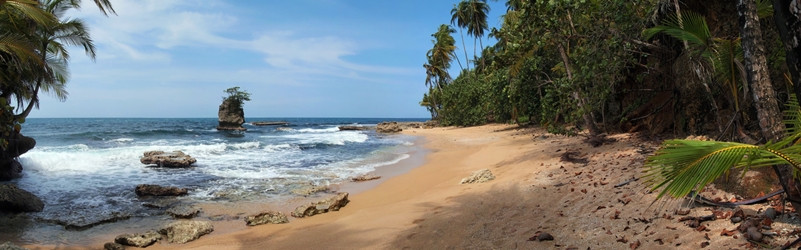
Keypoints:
pixel 582 205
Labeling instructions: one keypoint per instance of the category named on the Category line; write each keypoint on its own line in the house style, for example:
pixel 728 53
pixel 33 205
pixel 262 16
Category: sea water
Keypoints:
pixel 88 167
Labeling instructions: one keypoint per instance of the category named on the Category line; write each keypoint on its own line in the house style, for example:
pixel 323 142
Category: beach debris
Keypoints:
pixel 156 190
pixel 388 128
pixel 183 211
pixel 174 159
pixel 354 128
pixel 269 217
pixel 138 240
pixel 573 157
pixel 633 179
pixel 186 231
pixel 479 176
pixel 541 236
pixel 11 246
pixel 16 200
pixel 108 246
pixel 599 140
pixel 333 203
pixel 365 177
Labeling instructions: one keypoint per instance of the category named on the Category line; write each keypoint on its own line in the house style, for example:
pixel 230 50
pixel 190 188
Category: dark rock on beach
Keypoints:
pixel 15 200
pixel 331 204
pixel 230 116
pixel 266 218
pixel 183 211
pixel 175 159
pixel 156 190
pixel 138 240
pixel 186 231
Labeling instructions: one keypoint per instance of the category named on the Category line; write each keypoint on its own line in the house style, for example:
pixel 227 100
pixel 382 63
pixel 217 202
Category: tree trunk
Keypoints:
pixel 787 14
pixel 585 112
pixel 770 119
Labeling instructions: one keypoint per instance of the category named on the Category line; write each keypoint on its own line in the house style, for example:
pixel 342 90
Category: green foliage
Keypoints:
pixel 681 166
pixel 236 97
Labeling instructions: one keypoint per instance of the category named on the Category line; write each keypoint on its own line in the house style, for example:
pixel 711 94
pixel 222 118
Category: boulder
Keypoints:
pixel 266 218
pixel 309 190
pixel 16 200
pixel 10 246
pixel 331 204
pixel 175 159
pixel 354 128
pixel 183 211
pixel 10 168
pixel 388 128
pixel 479 176
pixel 156 190
pixel 186 231
pixel 230 116
pixel 138 240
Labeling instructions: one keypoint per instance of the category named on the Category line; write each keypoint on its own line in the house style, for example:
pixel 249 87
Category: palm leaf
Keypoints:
pixel 692 27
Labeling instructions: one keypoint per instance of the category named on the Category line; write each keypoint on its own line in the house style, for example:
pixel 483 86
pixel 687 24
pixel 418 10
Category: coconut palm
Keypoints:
pixel 459 17
pixel 471 15
pixel 439 61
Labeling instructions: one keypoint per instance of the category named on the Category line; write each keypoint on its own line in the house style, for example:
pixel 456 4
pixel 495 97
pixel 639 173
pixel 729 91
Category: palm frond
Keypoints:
pixel 692 27
pixel 682 166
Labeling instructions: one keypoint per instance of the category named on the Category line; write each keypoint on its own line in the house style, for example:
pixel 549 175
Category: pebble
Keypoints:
pixel 736 219
pixel 753 234
pixel 770 213
pixel 544 236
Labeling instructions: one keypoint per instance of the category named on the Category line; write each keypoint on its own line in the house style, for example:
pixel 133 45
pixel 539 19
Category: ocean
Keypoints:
pixel 89 167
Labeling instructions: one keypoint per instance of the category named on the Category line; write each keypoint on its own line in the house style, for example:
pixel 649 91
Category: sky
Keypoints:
pixel 299 58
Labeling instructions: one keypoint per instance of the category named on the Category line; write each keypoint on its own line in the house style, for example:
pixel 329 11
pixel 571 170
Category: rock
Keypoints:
pixel 544 236
pixel 266 218
pixel 10 168
pixel 770 213
pixel 183 211
pixel 10 246
pixel 753 234
pixel 79 221
pixel 365 177
pixel 113 246
pixel 186 231
pixel 479 176
pixel 309 190
pixel 683 211
pixel 736 219
pixel 388 128
pixel 331 204
pixel 16 200
pixel 231 116
pixel 138 240
pixel 176 159
pixel 156 190
pixel 354 128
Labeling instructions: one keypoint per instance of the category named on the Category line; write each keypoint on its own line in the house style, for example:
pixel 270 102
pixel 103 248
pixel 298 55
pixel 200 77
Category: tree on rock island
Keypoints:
pixel 231 115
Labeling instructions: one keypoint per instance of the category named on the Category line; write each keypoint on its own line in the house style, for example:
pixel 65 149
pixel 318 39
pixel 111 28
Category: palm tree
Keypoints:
pixel 439 61
pixel 471 15
pixel 459 17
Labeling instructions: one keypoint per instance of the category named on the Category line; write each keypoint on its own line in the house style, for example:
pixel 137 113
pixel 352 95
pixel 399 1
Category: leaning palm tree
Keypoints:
pixel 460 17
pixel 471 15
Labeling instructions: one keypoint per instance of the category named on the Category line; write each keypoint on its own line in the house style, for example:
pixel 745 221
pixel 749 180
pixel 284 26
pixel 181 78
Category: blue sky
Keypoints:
pixel 300 58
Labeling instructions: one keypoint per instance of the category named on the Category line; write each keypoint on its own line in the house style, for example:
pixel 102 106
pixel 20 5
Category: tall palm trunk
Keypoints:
pixel 768 115
pixel 464 47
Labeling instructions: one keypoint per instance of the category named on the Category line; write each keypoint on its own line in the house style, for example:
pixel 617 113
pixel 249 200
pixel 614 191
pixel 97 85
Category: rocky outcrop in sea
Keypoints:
pixel 16 200
pixel 231 116
pixel 156 190
pixel 174 159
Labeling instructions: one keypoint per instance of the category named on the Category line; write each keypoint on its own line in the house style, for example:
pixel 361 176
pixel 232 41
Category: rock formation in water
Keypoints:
pixel 231 116
pixel 10 168
pixel 175 159
pixel 13 199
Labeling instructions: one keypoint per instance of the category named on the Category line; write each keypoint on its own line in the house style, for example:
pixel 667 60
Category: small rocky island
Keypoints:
pixel 231 115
